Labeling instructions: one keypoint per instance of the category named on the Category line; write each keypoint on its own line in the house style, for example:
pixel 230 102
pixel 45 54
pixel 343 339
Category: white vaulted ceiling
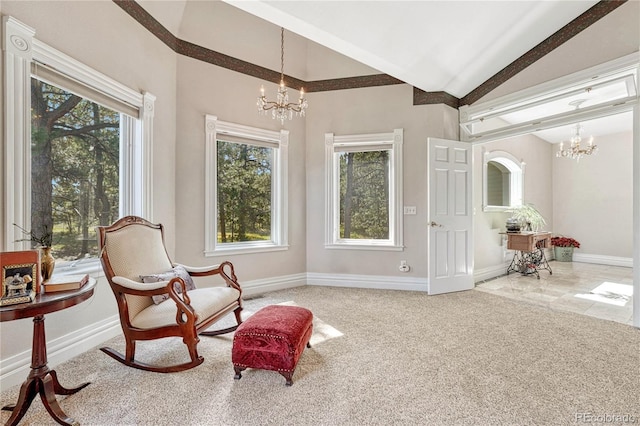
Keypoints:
pixel 451 46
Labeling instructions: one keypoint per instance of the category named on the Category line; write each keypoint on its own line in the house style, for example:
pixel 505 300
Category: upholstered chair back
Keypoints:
pixel 136 250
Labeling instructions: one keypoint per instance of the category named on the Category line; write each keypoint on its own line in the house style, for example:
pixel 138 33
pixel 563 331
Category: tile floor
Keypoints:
pixel 597 290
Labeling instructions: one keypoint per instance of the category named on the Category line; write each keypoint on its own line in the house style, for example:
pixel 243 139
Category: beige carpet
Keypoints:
pixel 382 358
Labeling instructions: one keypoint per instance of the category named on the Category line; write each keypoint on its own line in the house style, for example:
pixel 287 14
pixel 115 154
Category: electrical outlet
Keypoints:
pixel 410 210
pixel 404 267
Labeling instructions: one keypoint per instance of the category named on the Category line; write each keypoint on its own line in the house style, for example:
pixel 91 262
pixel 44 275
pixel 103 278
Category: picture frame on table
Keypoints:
pixel 20 276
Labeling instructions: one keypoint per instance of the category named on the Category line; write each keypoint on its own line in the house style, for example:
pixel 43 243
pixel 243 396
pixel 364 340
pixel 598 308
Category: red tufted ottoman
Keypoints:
pixel 272 339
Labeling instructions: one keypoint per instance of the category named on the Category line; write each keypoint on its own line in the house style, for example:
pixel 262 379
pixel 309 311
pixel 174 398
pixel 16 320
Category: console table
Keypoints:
pixel 41 380
pixel 529 257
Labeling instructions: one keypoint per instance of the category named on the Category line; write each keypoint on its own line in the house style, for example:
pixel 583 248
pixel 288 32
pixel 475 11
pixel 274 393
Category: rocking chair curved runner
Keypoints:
pixel 133 248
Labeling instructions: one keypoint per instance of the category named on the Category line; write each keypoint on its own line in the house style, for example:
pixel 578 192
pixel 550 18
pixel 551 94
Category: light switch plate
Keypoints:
pixel 410 210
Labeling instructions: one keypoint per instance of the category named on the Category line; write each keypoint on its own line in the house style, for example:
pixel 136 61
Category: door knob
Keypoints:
pixel 435 224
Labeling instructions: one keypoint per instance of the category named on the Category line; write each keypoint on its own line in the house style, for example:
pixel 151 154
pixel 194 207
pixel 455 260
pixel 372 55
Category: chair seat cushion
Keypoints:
pixel 205 302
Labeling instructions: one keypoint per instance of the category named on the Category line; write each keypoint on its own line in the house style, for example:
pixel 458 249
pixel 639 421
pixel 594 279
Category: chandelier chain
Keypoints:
pixel 281 55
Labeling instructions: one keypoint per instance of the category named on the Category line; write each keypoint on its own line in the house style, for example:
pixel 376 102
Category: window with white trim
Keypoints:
pixel 364 191
pixel 246 188
pixel 503 181
pixel 77 152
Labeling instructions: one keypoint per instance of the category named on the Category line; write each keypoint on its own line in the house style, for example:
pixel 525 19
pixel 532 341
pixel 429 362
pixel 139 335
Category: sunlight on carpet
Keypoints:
pixel 611 293
pixel 321 330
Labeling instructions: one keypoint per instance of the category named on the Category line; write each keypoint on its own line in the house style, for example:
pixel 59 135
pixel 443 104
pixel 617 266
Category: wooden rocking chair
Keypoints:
pixel 132 249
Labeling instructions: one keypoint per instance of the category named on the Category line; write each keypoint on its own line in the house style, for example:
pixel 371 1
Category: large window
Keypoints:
pixel 77 151
pixel 246 188
pixel 364 191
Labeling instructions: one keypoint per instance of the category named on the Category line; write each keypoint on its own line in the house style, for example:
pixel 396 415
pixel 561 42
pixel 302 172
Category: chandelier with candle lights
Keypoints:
pixel 282 109
pixel 574 150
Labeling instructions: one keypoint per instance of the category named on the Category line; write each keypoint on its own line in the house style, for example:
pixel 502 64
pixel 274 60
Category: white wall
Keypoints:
pixel 593 199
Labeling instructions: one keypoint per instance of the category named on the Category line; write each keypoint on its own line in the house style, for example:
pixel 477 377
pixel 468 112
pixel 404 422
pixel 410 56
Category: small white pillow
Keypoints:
pixel 177 271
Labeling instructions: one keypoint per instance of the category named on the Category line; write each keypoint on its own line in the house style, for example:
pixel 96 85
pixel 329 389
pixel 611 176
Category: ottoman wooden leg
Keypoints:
pixel 238 370
pixel 289 376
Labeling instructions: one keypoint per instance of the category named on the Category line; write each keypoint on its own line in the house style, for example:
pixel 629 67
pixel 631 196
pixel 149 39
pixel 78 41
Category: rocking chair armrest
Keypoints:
pixel 156 288
pixel 134 285
pixel 201 270
pixel 228 275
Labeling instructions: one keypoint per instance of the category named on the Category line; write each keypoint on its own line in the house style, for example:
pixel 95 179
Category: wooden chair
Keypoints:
pixel 133 248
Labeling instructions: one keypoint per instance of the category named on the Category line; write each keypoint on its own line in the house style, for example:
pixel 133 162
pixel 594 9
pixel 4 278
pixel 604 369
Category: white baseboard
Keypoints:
pixel 367 281
pixel 490 272
pixel 265 285
pixel 603 260
pixel 15 369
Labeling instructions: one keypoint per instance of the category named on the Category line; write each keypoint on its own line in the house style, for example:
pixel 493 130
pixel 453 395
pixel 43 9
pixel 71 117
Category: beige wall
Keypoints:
pixel 360 111
pixel 593 199
pixel 119 47
pixel 206 89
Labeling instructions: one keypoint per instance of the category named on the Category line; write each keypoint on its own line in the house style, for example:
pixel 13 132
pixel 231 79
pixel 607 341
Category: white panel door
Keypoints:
pixel 450 216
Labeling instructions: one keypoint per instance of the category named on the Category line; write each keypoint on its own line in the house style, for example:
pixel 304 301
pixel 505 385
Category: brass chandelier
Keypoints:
pixel 282 109
pixel 574 151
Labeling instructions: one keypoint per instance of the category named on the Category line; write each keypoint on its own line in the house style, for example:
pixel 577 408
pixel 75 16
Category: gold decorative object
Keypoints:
pixel 47 263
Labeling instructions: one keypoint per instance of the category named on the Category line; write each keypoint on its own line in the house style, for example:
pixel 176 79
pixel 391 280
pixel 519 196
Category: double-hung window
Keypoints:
pixel 364 191
pixel 246 188
pixel 78 152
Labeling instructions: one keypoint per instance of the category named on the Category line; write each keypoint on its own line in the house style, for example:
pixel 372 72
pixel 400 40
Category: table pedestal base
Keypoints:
pixel 41 381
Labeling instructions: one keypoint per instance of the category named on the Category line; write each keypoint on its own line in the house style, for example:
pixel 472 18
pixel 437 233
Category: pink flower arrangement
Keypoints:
pixel 564 242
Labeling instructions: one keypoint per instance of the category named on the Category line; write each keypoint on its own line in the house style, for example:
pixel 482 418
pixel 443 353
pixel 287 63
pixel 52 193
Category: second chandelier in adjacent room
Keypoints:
pixel 574 150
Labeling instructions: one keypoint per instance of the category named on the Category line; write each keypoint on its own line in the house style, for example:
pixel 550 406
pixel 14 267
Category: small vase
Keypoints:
pixel 47 263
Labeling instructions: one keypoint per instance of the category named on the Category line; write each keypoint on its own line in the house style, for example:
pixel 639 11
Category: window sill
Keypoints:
pixel 353 246
pixel 91 266
pixel 243 250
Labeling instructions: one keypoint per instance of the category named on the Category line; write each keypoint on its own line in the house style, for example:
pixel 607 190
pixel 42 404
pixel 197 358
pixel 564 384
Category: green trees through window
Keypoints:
pixel 244 191
pixel 75 157
pixel 364 195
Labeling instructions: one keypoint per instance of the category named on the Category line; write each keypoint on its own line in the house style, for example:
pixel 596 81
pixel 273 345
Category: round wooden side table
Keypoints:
pixel 41 380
